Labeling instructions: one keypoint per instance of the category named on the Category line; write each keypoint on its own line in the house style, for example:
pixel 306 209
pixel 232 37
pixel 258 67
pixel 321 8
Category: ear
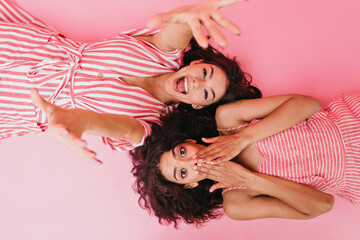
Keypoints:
pixel 191 185
pixel 196 62
pixel 197 106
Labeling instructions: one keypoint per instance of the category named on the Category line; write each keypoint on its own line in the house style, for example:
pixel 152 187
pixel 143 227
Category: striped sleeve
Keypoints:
pixel 9 12
pixel 122 145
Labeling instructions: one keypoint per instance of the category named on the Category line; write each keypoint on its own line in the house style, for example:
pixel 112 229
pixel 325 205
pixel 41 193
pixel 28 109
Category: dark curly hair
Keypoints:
pixel 169 201
pixel 239 86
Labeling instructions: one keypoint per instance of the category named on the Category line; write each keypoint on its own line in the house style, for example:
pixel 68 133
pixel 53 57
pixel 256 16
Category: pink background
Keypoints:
pixel 47 192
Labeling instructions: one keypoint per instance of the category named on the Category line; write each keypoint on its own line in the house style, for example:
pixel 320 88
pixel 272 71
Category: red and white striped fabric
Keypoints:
pixel 73 74
pixel 322 152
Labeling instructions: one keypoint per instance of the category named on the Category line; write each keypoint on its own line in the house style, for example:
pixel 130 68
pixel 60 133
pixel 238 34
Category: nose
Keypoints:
pixel 197 82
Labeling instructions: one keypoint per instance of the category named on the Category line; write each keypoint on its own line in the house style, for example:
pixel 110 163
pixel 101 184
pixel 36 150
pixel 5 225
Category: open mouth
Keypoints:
pixel 181 85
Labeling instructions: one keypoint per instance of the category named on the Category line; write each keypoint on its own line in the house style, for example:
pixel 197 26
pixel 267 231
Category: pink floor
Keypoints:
pixel 48 193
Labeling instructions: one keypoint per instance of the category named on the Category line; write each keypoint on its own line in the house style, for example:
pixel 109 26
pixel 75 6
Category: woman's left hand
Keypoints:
pixel 222 148
pixel 226 174
pixel 198 16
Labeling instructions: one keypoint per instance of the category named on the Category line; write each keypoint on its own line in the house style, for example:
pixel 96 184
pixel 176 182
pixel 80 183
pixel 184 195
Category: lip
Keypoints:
pixel 185 83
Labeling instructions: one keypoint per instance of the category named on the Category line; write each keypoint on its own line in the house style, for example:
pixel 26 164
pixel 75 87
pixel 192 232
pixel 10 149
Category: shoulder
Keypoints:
pixel 234 203
pixel 225 115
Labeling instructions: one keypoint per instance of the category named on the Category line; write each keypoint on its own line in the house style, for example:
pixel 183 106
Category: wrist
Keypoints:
pixel 245 137
pixel 257 183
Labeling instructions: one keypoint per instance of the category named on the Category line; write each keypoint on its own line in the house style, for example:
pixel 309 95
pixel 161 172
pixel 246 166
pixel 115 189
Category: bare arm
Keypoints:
pixel 68 125
pixel 278 113
pixel 265 196
pixel 187 21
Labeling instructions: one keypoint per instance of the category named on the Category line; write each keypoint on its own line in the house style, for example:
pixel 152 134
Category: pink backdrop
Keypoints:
pixel 47 192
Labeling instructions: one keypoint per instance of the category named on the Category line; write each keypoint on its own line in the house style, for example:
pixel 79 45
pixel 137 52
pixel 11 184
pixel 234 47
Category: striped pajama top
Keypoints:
pixel 73 74
pixel 322 152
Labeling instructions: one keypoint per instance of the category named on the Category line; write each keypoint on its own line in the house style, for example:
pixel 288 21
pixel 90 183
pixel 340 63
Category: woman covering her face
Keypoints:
pixel 291 174
pixel 132 78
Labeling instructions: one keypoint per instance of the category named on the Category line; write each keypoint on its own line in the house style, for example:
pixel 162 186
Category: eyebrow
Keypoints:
pixel 174 155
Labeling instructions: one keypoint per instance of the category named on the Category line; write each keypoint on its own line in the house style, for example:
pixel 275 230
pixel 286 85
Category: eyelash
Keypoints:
pixel 204 73
pixel 205 91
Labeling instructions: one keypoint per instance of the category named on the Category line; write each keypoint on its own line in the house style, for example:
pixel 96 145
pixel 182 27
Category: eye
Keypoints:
pixel 206 94
pixel 183 173
pixel 204 73
pixel 182 152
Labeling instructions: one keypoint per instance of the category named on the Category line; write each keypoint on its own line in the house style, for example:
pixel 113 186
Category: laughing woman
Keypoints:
pixel 133 77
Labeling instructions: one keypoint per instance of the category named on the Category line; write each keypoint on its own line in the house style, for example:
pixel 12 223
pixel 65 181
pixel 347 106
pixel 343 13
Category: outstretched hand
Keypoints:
pixel 66 125
pixel 198 16
pixel 226 174
pixel 222 148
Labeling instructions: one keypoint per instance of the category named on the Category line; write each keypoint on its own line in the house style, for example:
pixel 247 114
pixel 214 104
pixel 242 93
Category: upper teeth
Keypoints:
pixel 186 86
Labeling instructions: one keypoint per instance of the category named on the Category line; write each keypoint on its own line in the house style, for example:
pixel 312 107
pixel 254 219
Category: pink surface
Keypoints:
pixel 47 192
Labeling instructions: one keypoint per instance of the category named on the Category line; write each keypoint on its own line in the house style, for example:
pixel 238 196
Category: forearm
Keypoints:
pixel 113 125
pixel 173 36
pixel 295 110
pixel 304 199
pixel 277 113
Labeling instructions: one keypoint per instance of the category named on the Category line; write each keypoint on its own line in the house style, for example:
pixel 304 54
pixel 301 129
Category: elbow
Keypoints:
pixel 322 207
pixel 314 104
pixel 327 204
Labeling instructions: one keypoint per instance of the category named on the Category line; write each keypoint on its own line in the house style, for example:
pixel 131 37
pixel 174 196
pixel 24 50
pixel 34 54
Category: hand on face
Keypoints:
pixel 66 125
pixel 198 16
pixel 222 148
pixel 226 174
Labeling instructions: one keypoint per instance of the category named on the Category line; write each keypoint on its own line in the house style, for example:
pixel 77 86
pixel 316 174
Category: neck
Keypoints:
pixel 156 87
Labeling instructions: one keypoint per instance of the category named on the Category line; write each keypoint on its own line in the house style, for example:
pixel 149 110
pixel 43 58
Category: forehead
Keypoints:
pixel 166 164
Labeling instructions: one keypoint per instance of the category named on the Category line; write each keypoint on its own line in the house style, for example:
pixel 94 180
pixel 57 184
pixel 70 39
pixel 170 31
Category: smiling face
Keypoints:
pixel 200 84
pixel 176 165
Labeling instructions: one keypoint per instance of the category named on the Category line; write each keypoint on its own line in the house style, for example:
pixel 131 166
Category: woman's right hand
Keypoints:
pixel 222 148
pixel 226 174
pixel 66 125
pixel 204 14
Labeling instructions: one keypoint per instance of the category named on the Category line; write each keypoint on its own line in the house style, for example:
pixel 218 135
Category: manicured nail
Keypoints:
pixel 199 164
pixel 195 167
pixel 196 172
pixel 194 161
pixel 200 160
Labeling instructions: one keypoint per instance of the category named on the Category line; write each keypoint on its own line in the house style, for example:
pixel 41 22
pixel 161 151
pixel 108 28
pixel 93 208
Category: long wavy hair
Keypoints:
pixel 168 201
pixel 239 86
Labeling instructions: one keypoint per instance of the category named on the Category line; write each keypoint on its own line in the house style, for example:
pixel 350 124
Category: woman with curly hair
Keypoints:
pixel 287 175
pixel 132 78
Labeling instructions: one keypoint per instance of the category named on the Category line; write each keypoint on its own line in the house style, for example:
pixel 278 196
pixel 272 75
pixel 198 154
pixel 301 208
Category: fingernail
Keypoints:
pixel 196 172
pixel 200 160
pixel 195 167
pixel 194 161
pixel 194 156
pixel 199 164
